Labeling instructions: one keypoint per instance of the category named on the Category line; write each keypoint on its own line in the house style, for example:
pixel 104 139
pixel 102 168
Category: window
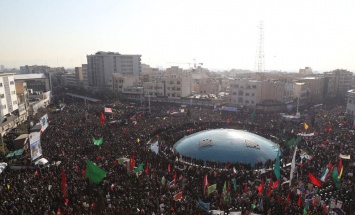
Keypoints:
pixel 246 101
pixel 13 92
pixel 11 83
pixel 254 86
pixel 178 82
pixel 247 94
pixel 0 84
pixel 253 94
pixel 252 102
pixel 2 96
pixel 240 100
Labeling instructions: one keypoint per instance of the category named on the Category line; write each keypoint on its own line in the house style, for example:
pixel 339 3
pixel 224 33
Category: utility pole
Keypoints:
pixel 259 64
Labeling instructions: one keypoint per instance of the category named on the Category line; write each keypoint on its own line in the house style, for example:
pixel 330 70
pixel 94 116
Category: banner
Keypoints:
pixel 35 145
pixel 344 156
pixel 44 122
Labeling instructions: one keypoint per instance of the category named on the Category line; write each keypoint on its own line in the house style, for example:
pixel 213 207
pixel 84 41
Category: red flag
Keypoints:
pixel 66 201
pixel 261 186
pixel 229 120
pixel 245 187
pixel 169 167
pixel 314 180
pixel 340 166
pixel 36 173
pixel 174 177
pixel 275 185
pixel 58 212
pixel 299 200
pixel 64 184
pixel 190 130
pixel 329 128
pixel 83 172
pixel 132 163
pixel 205 181
pixel 325 208
pixel 102 118
pixel 146 169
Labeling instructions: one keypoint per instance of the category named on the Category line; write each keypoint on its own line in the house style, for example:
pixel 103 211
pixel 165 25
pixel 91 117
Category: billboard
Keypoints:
pixel 35 145
pixel 44 122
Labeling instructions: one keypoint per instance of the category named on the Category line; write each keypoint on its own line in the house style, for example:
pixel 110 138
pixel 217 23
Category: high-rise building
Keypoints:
pixel 102 65
pixel 343 79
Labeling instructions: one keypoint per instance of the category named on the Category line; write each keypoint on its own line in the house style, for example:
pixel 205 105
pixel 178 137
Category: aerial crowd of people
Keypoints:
pixel 139 180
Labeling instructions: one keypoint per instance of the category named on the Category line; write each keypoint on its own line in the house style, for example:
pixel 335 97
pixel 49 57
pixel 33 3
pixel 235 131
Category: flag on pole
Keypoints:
pixel 64 184
pixel 94 173
pixel 169 167
pixel 175 177
pixel 146 169
pixel 314 180
pixel 203 205
pixel 98 141
pixel 299 200
pixel 139 168
pixel 102 118
pixel 234 183
pixel 340 168
pixel 178 196
pixel 211 189
pixel 277 165
pixel 326 172
pixel 205 181
pixel 336 179
pixel 132 163
pixel 306 126
pixel 293 141
pixel 234 170
pixel 253 117
pixel 293 165
pixel 163 180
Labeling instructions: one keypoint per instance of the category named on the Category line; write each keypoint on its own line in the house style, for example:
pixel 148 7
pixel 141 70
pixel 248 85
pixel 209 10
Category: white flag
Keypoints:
pixel 293 165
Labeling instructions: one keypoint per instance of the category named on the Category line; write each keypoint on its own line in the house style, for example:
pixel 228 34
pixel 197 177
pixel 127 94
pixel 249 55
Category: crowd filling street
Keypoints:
pixel 139 180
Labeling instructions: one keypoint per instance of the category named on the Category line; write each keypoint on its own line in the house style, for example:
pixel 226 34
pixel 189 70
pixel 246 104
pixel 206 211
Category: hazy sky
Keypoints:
pixel 220 34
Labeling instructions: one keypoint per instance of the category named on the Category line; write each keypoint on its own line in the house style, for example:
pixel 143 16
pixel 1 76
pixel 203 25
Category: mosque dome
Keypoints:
pixel 227 145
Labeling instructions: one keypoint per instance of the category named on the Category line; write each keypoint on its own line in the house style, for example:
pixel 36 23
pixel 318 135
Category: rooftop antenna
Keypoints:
pixel 260 64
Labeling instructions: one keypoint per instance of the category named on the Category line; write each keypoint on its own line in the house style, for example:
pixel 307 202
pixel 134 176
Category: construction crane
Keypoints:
pixel 194 64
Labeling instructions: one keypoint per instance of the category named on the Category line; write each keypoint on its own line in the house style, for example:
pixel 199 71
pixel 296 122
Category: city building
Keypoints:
pixel 70 80
pixel 343 80
pixel 245 92
pixel 85 75
pixel 316 88
pixel 350 105
pixel 118 82
pixel 102 65
pixel 306 71
pixel 8 97
pixel 207 86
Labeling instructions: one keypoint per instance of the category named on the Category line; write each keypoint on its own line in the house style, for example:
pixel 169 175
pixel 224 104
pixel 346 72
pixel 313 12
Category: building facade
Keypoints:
pixel 8 97
pixel 102 65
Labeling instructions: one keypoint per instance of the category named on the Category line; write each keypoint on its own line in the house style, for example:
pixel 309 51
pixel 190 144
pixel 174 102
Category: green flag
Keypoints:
pixel 211 188
pixel 304 211
pixel 253 117
pixel 293 141
pixel 98 141
pixel 277 165
pixel 234 184
pixel 335 178
pixel 139 168
pixel 94 173
pixel 224 188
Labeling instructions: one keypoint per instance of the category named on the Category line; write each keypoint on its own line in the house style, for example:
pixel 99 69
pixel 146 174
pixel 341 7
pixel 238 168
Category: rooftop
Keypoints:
pixel 30 76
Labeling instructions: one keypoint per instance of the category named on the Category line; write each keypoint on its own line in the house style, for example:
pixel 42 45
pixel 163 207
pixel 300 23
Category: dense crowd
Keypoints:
pixel 67 144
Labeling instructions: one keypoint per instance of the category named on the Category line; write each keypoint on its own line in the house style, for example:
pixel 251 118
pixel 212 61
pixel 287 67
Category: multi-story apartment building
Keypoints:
pixel 70 80
pixel 301 91
pixel 35 82
pixel 85 75
pixel 343 80
pixel 306 71
pixel 154 89
pixel 177 86
pixel 101 65
pixel 8 97
pixel 207 86
pixel 316 88
pixel 245 92
pixel 350 106
pixel 118 82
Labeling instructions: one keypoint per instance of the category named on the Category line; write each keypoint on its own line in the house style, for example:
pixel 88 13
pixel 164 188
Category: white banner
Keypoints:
pixel 44 122
pixel 35 145
pixel 306 135
pixel 344 156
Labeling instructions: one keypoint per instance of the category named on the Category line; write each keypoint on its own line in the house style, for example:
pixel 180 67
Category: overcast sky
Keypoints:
pixel 220 34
